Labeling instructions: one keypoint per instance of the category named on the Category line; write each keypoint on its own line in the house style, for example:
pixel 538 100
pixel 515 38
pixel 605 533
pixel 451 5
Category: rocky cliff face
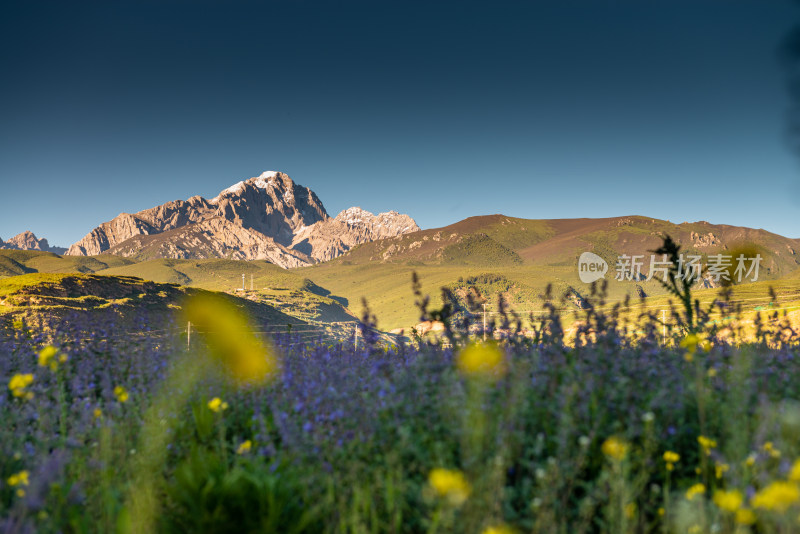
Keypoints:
pixel 28 241
pixel 266 217
pixel 330 238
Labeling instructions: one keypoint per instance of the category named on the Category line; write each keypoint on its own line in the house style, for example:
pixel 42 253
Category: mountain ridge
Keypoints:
pixel 264 217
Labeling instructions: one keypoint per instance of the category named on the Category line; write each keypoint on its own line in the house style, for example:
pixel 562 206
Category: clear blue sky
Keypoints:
pixel 443 110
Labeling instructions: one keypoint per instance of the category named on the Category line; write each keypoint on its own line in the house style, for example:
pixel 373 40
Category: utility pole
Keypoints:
pixel 242 281
pixel 189 334
pixel 484 321
pixel 355 339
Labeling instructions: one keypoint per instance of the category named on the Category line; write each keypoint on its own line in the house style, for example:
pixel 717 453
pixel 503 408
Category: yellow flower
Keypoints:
pixel 707 444
pixel 630 510
pixel 47 357
pixel 751 460
pixel 778 496
pixel 498 529
pixel 19 383
pixel 450 484
pixel 712 373
pixel 745 516
pixel 229 337
pixel 482 360
pixel 121 394
pixel 615 448
pixel 694 491
pixel 217 405
pixel 18 479
pixel 661 511
pixel 730 501
pixel 671 458
pixel 98 413
pixel 771 450
pixel 794 473
pixel 693 341
pixel 720 469
pixel 244 447
pixel 20 492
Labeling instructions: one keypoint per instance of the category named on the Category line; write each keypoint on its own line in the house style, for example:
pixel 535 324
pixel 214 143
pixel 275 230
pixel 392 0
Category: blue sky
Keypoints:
pixel 442 110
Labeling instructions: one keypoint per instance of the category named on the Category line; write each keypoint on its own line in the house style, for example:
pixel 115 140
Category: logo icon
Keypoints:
pixel 591 267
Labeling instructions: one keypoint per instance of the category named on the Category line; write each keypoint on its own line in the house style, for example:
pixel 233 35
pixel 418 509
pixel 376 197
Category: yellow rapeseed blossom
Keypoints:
pixel 451 484
pixel 244 447
pixel 694 491
pixel 615 448
pixel 121 394
pixel 498 529
pixel 18 479
pixel 230 338
pixel 778 496
pixel 47 357
pixel 217 405
pixel 745 516
pixel 707 444
pixel 794 473
pixel 19 384
pixel 730 501
pixel 482 360
pixel 671 458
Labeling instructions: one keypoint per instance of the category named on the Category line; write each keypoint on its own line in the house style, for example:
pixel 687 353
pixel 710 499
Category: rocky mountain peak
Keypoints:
pixel 27 241
pixel 268 216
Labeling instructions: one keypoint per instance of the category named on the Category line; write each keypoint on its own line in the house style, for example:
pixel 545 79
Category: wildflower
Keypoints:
pixel 584 441
pixel 18 479
pixel 47 357
pixel 20 492
pixel 217 405
pixel 730 501
pixel 230 339
pixel 751 460
pixel 770 449
pixel 482 360
pixel 712 372
pixel 693 341
pixel 671 458
pixel 615 448
pixel 450 484
pixel 794 472
pixel 745 516
pixel 694 491
pixel 661 512
pixel 778 496
pixel 121 394
pixel 720 469
pixel 630 510
pixel 707 444
pixel 648 417
pixel 19 383
pixel 98 413
pixel 498 529
pixel 244 447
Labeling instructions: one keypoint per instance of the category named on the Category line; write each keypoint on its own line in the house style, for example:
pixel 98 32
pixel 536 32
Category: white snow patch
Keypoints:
pixel 265 179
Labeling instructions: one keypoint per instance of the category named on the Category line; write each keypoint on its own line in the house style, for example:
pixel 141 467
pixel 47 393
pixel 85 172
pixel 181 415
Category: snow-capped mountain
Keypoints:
pixel 265 217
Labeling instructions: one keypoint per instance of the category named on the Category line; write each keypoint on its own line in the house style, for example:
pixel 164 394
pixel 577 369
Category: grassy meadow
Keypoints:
pixel 586 419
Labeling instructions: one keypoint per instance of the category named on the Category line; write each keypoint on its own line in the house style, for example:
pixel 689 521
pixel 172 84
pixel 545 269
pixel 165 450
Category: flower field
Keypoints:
pixel 108 431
